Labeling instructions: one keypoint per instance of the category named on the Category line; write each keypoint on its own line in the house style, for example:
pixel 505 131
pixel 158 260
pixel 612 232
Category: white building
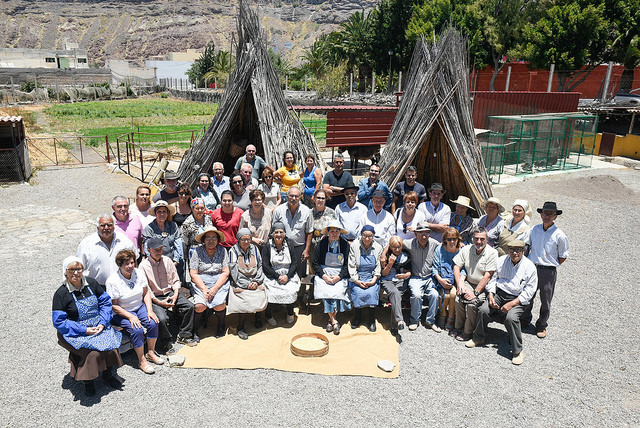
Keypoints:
pixel 44 58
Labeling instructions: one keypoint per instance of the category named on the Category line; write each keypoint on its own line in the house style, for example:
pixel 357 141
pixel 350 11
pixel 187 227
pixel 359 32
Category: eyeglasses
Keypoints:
pixel 320 198
pixel 268 176
pixel 451 239
pixel 237 182
pixel 106 225
pixel 74 270
pixel 257 201
pixel 183 194
pixel 245 239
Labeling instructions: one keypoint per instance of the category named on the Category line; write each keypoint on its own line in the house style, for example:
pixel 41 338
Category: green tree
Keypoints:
pixel 390 21
pixel 355 44
pixel 624 28
pixel 202 65
pixel 570 35
pixel 282 66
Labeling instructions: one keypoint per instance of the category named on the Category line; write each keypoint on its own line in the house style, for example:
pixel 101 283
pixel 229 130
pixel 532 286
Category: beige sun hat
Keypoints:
pixel 208 229
pixel 336 225
pixel 161 203
pixel 494 200
pixel 464 201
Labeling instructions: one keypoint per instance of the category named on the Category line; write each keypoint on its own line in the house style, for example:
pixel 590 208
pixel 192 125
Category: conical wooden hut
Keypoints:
pixel 433 129
pixel 253 110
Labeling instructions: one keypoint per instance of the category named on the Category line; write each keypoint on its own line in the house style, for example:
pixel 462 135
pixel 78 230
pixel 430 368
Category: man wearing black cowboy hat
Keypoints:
pixel 170 191
pixel 549 249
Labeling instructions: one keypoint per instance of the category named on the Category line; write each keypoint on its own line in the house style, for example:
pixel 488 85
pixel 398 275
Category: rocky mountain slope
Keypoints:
pixel 138 29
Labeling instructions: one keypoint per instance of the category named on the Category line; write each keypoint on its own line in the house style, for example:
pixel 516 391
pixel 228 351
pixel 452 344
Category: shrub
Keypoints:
pixel 333 84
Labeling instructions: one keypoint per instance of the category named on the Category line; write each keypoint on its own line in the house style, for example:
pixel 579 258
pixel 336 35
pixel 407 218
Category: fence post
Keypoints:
pixel 81 156
pixel 400 81
pixel 373 83
pixel 141 166
pixel 106 143
pixel 506 85
pixel 550 82
pixel 118 145
pixel 192 138
pixel 286 82
pixel 128 160
pixel 350 85
pixel 55 149
pixel 607 80
pixel 305 83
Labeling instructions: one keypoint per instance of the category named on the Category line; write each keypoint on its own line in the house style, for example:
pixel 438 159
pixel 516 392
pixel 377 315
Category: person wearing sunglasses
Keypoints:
pixel 240 193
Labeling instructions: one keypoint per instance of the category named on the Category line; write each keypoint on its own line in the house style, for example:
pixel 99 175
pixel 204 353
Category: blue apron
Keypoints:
pixel 89 316
pixel 365 296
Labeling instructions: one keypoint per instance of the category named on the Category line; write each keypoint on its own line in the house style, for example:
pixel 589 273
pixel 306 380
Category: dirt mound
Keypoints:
pixel 596 188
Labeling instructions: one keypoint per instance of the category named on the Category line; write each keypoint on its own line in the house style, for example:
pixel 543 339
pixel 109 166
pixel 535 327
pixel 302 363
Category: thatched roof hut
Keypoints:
pixel 253 110
pixel 433 129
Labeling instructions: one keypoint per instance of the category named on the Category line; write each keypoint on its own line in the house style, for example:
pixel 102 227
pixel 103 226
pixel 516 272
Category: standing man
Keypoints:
pixel 256 162
pixel 369 185
pixel 250 183
pixel 437 213
pixel 170 191
pixel 335 181
pixel 473 267
pixel 298 222
pixel 220 181
pixel 350 212
pixel 510 290
pixel 164 283
pixel 143 203
pixel 421 251
pixel 382 221
pixel 125 223
pixel 98 251
pixel 549 249
pixel 408 185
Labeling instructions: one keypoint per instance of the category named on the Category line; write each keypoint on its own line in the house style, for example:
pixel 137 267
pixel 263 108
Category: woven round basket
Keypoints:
pixel 298 351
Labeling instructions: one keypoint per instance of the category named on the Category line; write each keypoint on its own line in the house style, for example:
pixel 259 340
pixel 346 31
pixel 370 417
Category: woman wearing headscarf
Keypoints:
pixel 364 270
pixel 330 264
pixel 205 191
pixel 81 313
pixel 517 227
pixel 248 294
pixel 281 280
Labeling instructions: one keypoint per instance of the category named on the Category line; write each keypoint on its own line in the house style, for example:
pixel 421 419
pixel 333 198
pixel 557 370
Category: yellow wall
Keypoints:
pixel 627 146
pixel 596 149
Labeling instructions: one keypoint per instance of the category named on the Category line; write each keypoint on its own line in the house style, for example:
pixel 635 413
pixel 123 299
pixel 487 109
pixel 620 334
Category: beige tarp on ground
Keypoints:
pixel 353 352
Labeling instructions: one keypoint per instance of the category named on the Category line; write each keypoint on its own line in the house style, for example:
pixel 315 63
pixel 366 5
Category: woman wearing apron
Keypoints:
pixel 280 265
pixel 364 270
pixel 516 228
pixel 82 316
pixel 209 269
pixel 331 273
pixel 248 295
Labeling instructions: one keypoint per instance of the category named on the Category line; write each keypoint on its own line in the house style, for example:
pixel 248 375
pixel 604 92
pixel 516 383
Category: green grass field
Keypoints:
pixel 138 108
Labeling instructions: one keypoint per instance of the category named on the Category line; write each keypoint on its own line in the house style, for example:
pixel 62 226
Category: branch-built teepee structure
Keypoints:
pixel 433 129
pixel 253 110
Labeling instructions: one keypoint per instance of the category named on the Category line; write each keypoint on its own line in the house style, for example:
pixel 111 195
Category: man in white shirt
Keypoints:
pixel 250 182
pixel 437 213
pixel 219 181
pixel 350 212
pixel 381 220
pixel 510 290
pixel 98 251
pixel 549 249
pixel 298 221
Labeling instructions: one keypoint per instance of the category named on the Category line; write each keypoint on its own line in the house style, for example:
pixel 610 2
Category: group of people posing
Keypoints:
pixel 244 245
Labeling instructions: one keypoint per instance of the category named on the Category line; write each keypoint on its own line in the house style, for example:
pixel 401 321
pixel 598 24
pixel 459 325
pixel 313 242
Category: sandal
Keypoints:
pixel 154 358
pixel 147 368
pixel 336 328
pixel 329 327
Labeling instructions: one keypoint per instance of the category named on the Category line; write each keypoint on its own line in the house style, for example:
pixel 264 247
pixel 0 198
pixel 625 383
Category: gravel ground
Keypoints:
pixel 584 373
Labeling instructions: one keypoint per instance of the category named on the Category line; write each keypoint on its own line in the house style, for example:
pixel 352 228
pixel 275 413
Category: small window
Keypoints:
pixel 49 60
pixel 82 60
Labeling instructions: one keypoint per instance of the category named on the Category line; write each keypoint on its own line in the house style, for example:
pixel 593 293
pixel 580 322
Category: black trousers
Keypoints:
pixel 183 310
pixel 547 276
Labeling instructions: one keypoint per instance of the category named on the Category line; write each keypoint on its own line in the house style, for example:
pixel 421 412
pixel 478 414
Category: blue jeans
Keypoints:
pixel 420 288
pixel 137 334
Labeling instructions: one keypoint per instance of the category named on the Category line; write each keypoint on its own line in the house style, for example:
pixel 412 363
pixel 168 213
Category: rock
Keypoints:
pixel 176 360
pixel 386 365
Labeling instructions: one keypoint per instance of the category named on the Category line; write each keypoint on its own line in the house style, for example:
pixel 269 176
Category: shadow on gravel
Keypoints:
pixel 499 339
pixel 77 389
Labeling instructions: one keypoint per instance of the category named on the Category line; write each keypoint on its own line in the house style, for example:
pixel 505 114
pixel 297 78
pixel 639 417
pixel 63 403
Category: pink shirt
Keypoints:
pixel 162 275
pixel 132 227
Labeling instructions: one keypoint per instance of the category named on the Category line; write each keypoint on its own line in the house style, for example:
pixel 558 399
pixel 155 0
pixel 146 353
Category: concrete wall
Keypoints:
pixel 170 69
pixel 624 145
pixel 189 55
pixel 43 58
pixel 52 77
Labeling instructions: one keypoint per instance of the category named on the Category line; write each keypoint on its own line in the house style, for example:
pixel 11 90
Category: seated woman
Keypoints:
pixel 408 216
pixel 168 231
pixel 182 205
pixel 257 218
pixel 460 218
pixel 442 270
pixel 395 273
pixel 82 314
pixel 330 258
pixel 248 295
pixel 209 269
pixel 364 270
pixel 515 228
pixel 279 265
pixel 205 191
pixel 194 225
pixel 492 221
pixel 131 300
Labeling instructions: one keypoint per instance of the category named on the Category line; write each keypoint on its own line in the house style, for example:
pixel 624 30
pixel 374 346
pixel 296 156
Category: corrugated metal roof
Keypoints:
pixel 339 108
pixel 10 118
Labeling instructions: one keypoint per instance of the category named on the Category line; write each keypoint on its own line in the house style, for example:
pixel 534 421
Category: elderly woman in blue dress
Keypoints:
pixel 248 294
pixel 81 314
pixel 131 299
pixel 364 272
pixel 204 190
pixel 330 264
pixel 209 269
pixel 280 266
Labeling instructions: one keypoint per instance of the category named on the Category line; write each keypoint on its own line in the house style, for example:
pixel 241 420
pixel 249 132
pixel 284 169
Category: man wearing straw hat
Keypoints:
pixel 549 249
pixel 435 212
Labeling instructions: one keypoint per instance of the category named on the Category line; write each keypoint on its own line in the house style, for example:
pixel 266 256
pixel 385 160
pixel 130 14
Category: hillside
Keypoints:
pixel 138 29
